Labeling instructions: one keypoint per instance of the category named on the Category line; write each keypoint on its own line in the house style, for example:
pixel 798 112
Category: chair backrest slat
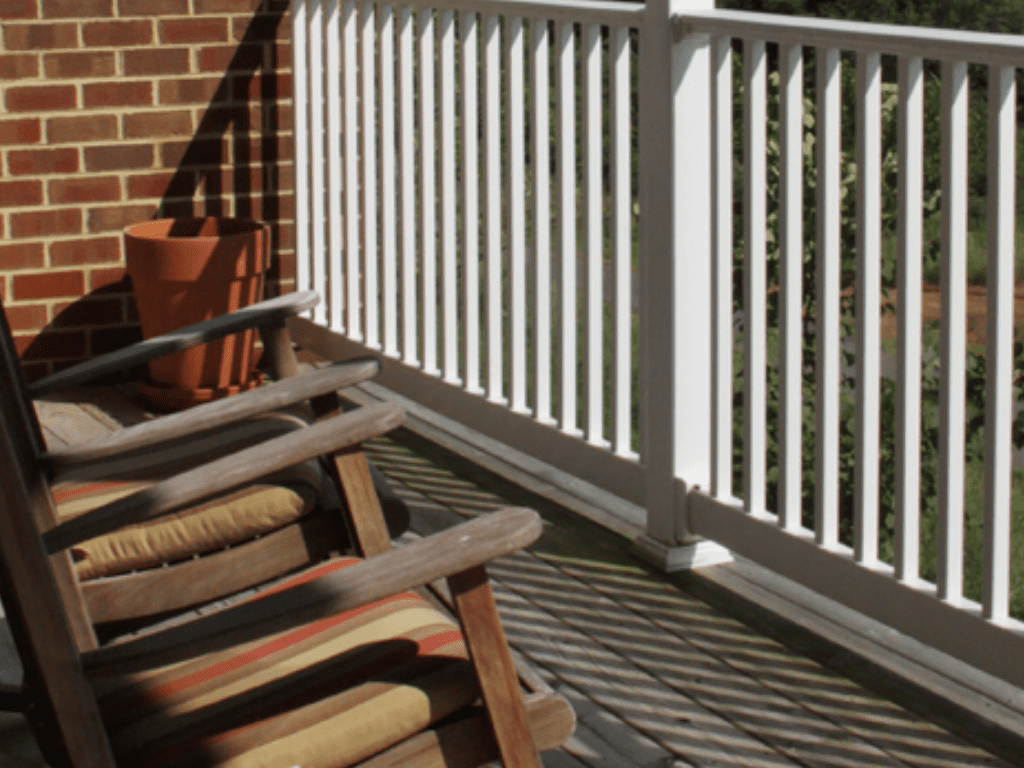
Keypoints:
pixel 24 430
pixel 40 594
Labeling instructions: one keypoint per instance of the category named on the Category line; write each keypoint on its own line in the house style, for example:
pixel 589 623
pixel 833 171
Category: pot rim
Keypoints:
pixel 191 228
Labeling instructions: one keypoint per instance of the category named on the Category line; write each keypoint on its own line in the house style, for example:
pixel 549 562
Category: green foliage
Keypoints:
pixel 930 421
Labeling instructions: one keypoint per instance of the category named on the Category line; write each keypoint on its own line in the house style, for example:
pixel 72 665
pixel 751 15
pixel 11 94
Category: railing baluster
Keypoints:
pixel 492 173
pixel 449 200
pixel 388 185
pixel 622 240
pixel 791 273
pixel 869 291
pixel 754 284
pixel 567 221
pixel 468 27
pixel 908 346
pixel 371 302
pixel 722 201
pixel 828 262
pixel 300 102
pixel 428 190
pixel 593 217
pixel 515 145
pixel 318 191
pixel 335 181
pixel 953 330
pixel 407 139
pixel 541 155
pixel 349 22
pixel 999 365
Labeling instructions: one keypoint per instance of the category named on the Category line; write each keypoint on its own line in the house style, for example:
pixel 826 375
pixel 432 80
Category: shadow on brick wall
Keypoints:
pixel 230 166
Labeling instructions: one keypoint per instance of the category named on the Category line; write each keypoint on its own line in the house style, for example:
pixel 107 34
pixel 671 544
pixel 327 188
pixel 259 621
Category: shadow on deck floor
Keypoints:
pixel 656 674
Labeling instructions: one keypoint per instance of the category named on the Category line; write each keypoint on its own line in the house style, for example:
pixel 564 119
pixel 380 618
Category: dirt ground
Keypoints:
pixel 931 310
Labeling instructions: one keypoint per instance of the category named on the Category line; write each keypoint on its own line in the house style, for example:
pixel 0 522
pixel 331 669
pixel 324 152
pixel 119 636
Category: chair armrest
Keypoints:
pixel 269 312
pixel 218 413
pixel 456 550
pixel 331 434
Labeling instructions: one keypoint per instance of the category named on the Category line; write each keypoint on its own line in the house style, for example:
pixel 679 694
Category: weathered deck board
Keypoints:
pixel 658 677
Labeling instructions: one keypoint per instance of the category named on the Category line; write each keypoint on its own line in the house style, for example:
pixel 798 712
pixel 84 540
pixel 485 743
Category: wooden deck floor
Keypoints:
pixel 657 676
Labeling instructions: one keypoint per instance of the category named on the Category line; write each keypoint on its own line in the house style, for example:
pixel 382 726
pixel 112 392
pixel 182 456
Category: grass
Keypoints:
pixel 974 517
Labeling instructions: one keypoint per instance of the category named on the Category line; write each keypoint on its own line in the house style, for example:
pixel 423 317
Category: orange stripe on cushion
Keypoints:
pixel 272 647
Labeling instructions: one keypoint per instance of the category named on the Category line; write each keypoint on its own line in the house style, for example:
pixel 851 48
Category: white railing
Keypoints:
pixel 474 206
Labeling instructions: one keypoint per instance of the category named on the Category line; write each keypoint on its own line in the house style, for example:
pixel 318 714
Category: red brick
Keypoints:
pixel 145 125
pixel 167 184
pixel 193 153
pixel 52 221
pixel 77 9
pixel 190 91
pixel 89 312
pixel 78 64
pixel 93 250
pixel 193 30
pixel 117 34
pixel 264 86
pixel 156 61
pixel 26 317
pixel 138 93
pixel 110 339
pixel 266 149
pixel 227 6
pixel 40 98
pixel 119 157
pixel 285 266
pixel 17 66
pixel 217 58
pixel 37 37
pixel 49 285
pixel 184 208
pixel 14 193
pixel 26 130
pixel 21 256
pixel 50 345
pixel 152 7
pixel 109 280
pixel 72 130
pixel 247 180
pixel 87 189
pixel 18 9
pixel 259 27
pixel 115 218
pixel 31 162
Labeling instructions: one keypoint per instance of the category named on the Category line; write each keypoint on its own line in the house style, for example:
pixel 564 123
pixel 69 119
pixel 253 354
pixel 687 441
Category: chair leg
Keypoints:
pixel 499 683
pixel 350 472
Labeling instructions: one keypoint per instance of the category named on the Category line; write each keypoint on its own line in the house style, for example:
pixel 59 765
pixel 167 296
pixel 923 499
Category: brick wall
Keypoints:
pixel 117 111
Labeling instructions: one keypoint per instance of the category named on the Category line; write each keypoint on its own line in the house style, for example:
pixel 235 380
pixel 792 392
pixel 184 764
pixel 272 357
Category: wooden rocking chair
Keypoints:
pixel 340 665
pixel 267 527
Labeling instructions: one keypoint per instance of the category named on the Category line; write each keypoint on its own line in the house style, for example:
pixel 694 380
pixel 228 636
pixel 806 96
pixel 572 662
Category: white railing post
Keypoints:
pixel 675 263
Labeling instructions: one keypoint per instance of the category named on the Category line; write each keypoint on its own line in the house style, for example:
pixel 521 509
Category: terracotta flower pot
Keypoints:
pixel 187 270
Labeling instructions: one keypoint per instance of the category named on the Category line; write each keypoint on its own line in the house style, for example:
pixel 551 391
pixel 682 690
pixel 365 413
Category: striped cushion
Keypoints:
pixel 330 693
pixel 224 521
pixel 217 523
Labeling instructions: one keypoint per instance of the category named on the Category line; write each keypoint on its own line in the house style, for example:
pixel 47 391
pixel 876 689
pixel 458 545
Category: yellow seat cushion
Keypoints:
pixel 224 521
pixel 331 693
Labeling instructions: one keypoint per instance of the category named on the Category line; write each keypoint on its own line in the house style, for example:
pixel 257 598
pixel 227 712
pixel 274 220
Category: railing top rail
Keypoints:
pixel 927 42
pixel 610 12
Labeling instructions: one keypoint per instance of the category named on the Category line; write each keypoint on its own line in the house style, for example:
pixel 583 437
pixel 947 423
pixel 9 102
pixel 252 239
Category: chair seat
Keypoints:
pixel 340 689
pixel 222 522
